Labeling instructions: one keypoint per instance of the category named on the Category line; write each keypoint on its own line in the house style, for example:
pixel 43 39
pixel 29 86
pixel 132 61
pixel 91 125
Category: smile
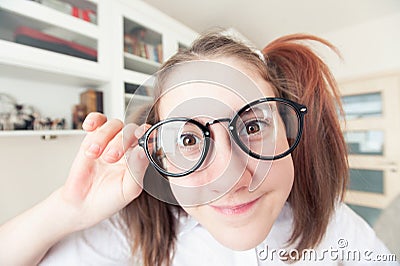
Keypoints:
pixel 235 209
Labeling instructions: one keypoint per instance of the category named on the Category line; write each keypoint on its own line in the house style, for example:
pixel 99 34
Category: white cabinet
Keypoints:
pixel 52 79
pixel 52 82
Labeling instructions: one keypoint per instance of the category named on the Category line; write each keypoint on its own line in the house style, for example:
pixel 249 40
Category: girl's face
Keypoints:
pixel 240 217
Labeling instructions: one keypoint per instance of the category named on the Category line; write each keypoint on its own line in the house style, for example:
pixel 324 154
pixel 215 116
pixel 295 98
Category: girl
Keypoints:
pixel 253 165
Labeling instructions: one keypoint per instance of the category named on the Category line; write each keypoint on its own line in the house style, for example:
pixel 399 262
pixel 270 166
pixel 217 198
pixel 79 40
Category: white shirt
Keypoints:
pixel 347 237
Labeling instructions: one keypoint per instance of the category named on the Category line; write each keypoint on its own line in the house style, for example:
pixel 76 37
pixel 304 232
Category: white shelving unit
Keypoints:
pixel 140 64
pixel 48 80
pixel 44 134
pixel 134 77
pixel 45 16
pixel 52 82
pixel 22 57
pixel 158 30
pixel 25 67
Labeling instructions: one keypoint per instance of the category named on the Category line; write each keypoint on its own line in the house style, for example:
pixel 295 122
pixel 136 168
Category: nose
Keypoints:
pixel 219 136
pixel 227 173
pixel 221 139
pixel 227 165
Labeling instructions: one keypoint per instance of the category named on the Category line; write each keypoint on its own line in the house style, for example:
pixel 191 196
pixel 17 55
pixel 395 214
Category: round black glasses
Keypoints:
pixel 265 129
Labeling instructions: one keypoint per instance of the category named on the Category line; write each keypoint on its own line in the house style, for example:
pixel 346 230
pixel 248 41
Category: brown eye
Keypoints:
pixel 252 128
pixel 189 140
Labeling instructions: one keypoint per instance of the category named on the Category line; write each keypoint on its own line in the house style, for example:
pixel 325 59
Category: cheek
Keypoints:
pixel 281 140
pixel 267 176
pixel 281 176
pixel 243 233
pixel 194 180
pixel 203 187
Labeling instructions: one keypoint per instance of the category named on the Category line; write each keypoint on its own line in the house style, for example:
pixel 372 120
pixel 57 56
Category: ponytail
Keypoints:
pixel 320 160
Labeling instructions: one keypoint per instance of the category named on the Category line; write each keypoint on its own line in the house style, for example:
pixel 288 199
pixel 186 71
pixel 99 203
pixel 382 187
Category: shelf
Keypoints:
pixel 45 16
pixel 45 134
pixel 85 4
pixel 17 59
pixel 140 64
pixel 145 98
pixel 182 46
pixel 138 100
pixel 134 77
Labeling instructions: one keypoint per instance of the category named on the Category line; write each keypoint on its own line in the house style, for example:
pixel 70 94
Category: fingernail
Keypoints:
pixel 138 132
pixel 93 150
pixel 88 123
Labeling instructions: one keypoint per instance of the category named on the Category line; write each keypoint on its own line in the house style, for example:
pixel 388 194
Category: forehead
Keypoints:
pixel 215 89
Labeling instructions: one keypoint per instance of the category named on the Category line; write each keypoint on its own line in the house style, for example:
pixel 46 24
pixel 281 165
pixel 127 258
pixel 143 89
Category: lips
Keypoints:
pixel 235 209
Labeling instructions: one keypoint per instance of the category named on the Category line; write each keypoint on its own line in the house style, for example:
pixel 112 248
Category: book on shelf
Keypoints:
pixel 29 36
pixel 92 100
pixel 73 10
pixel 135 46
pixel 78 116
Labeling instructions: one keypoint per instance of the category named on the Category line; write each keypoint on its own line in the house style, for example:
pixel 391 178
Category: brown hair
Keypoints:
pixel 320 160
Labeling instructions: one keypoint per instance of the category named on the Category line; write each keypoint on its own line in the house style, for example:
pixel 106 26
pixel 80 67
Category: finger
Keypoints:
pixel 95 142
pixel 80 178
pixel 133 179
pixel 121 143
pixel 93 121
pixel 139 132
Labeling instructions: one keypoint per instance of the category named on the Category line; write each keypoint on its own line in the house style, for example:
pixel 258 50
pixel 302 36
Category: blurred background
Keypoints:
pixel 365 31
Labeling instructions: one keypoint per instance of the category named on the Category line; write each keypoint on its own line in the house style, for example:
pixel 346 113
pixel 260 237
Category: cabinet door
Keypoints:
pixel 372 109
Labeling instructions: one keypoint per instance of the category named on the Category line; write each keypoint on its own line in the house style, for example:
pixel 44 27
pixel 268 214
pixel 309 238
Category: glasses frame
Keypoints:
pixel 300 110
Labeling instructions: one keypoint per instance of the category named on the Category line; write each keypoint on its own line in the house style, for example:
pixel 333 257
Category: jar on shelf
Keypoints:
pixel 23 117
pixel 7 107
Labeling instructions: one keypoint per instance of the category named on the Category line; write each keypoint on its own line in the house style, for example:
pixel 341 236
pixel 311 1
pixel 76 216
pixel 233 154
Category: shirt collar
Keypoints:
pixel 186 224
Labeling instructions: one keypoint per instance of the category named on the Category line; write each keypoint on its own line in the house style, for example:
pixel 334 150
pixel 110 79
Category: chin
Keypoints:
pixel 240 228
pixel 241 239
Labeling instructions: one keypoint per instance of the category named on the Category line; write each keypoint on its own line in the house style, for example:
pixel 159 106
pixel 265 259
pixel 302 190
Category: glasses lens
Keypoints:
pixel 177 146
pixel 289 122
pixel 268 129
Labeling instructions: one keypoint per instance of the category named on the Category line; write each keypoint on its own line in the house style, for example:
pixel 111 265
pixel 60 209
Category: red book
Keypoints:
pixel 34 38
